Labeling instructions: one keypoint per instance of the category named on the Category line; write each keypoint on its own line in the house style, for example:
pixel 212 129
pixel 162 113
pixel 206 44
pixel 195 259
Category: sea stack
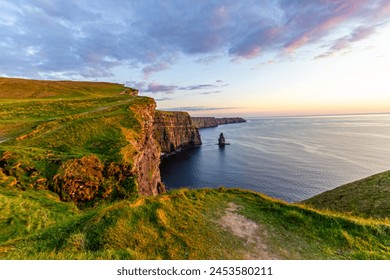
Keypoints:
pixel 221 140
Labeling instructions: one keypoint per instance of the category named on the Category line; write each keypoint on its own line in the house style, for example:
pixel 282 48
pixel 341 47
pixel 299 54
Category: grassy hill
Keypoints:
pixel 36 89
pixel 368 197
pixel 183 224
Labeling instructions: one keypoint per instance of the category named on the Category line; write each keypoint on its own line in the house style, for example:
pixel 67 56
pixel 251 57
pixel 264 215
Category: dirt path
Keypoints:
pixel 253 233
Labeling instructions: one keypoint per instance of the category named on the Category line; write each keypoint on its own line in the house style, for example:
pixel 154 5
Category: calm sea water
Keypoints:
pixel 287 158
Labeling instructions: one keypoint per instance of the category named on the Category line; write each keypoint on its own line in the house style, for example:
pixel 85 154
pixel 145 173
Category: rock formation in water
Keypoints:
pixel 221 140
pixel 206 122
pixel 174 131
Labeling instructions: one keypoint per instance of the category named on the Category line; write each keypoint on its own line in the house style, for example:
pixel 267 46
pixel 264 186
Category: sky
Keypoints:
pixel 210 57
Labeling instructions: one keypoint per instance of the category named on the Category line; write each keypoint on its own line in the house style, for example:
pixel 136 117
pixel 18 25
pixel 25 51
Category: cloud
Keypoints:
pixel 154 87
pixel 163 98
pixel 210 92
pixel 159 66
pixel 344 43
pixel 199 87
pixel 216 85
pixel 84 39
pixel 315 21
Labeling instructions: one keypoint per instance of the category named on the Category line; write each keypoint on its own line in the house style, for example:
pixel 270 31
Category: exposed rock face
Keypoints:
pixel 79 180
pixel 206 122
pixel 175 131
pixel 147 161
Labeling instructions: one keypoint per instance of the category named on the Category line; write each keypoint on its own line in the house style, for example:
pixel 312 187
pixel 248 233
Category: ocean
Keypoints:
pixel 290 158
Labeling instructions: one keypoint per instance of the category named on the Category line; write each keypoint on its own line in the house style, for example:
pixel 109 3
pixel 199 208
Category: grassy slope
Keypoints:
pixel 44 124
pixel 34 89
pixel 368 197
pixel 183 224
pixel 37 114
pixel 24 104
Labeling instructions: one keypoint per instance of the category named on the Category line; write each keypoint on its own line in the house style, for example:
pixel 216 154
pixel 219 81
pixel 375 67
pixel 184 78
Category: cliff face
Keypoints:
pixel 206 122
pixel 147 160
pixel 175 131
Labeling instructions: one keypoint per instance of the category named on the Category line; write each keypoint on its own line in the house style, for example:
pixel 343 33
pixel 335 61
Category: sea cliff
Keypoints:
pixel 206 122
pixel 174 131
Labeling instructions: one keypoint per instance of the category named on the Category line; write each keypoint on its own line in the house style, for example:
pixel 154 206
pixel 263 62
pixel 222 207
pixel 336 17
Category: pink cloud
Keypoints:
pixel 153 68
pixel 383 10
pixel 344 43
pixel 297 43
pixel 342 13
pixel 362 32
pixel 251 53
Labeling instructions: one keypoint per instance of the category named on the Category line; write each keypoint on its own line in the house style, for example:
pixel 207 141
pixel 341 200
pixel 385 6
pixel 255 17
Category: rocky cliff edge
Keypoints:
pixel 174 131
pixel 206 122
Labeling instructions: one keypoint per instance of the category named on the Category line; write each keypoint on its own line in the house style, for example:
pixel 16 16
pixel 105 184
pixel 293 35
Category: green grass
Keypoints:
pixel 23 213
pixel 184 224
pixel 23 89
pixel 368 197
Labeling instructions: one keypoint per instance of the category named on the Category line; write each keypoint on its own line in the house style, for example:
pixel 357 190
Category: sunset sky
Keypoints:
pixel 210 57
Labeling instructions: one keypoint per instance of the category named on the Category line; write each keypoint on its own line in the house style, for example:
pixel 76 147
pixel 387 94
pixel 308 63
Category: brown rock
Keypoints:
pixel 175 131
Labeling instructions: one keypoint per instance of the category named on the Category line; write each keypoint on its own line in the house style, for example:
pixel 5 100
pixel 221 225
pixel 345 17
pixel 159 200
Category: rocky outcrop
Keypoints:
pixel 221 140
pixel 206 122
pixel 147 160
pixel 174 131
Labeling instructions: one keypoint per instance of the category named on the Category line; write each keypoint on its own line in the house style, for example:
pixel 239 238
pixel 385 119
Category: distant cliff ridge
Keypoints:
pixel 175 131
pixel 206 122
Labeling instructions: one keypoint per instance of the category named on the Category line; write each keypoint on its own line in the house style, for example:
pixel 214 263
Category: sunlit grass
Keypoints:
pixel 367 198
pixel 184 225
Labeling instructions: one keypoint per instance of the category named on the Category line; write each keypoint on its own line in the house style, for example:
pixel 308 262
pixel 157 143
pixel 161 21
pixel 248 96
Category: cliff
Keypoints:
pixel 84 141
pixel 147 160
pixel 206 122
pixel 88 141
pixel 175 131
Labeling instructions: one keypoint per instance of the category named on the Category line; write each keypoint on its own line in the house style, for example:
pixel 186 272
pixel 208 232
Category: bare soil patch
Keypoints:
pixel 255 235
